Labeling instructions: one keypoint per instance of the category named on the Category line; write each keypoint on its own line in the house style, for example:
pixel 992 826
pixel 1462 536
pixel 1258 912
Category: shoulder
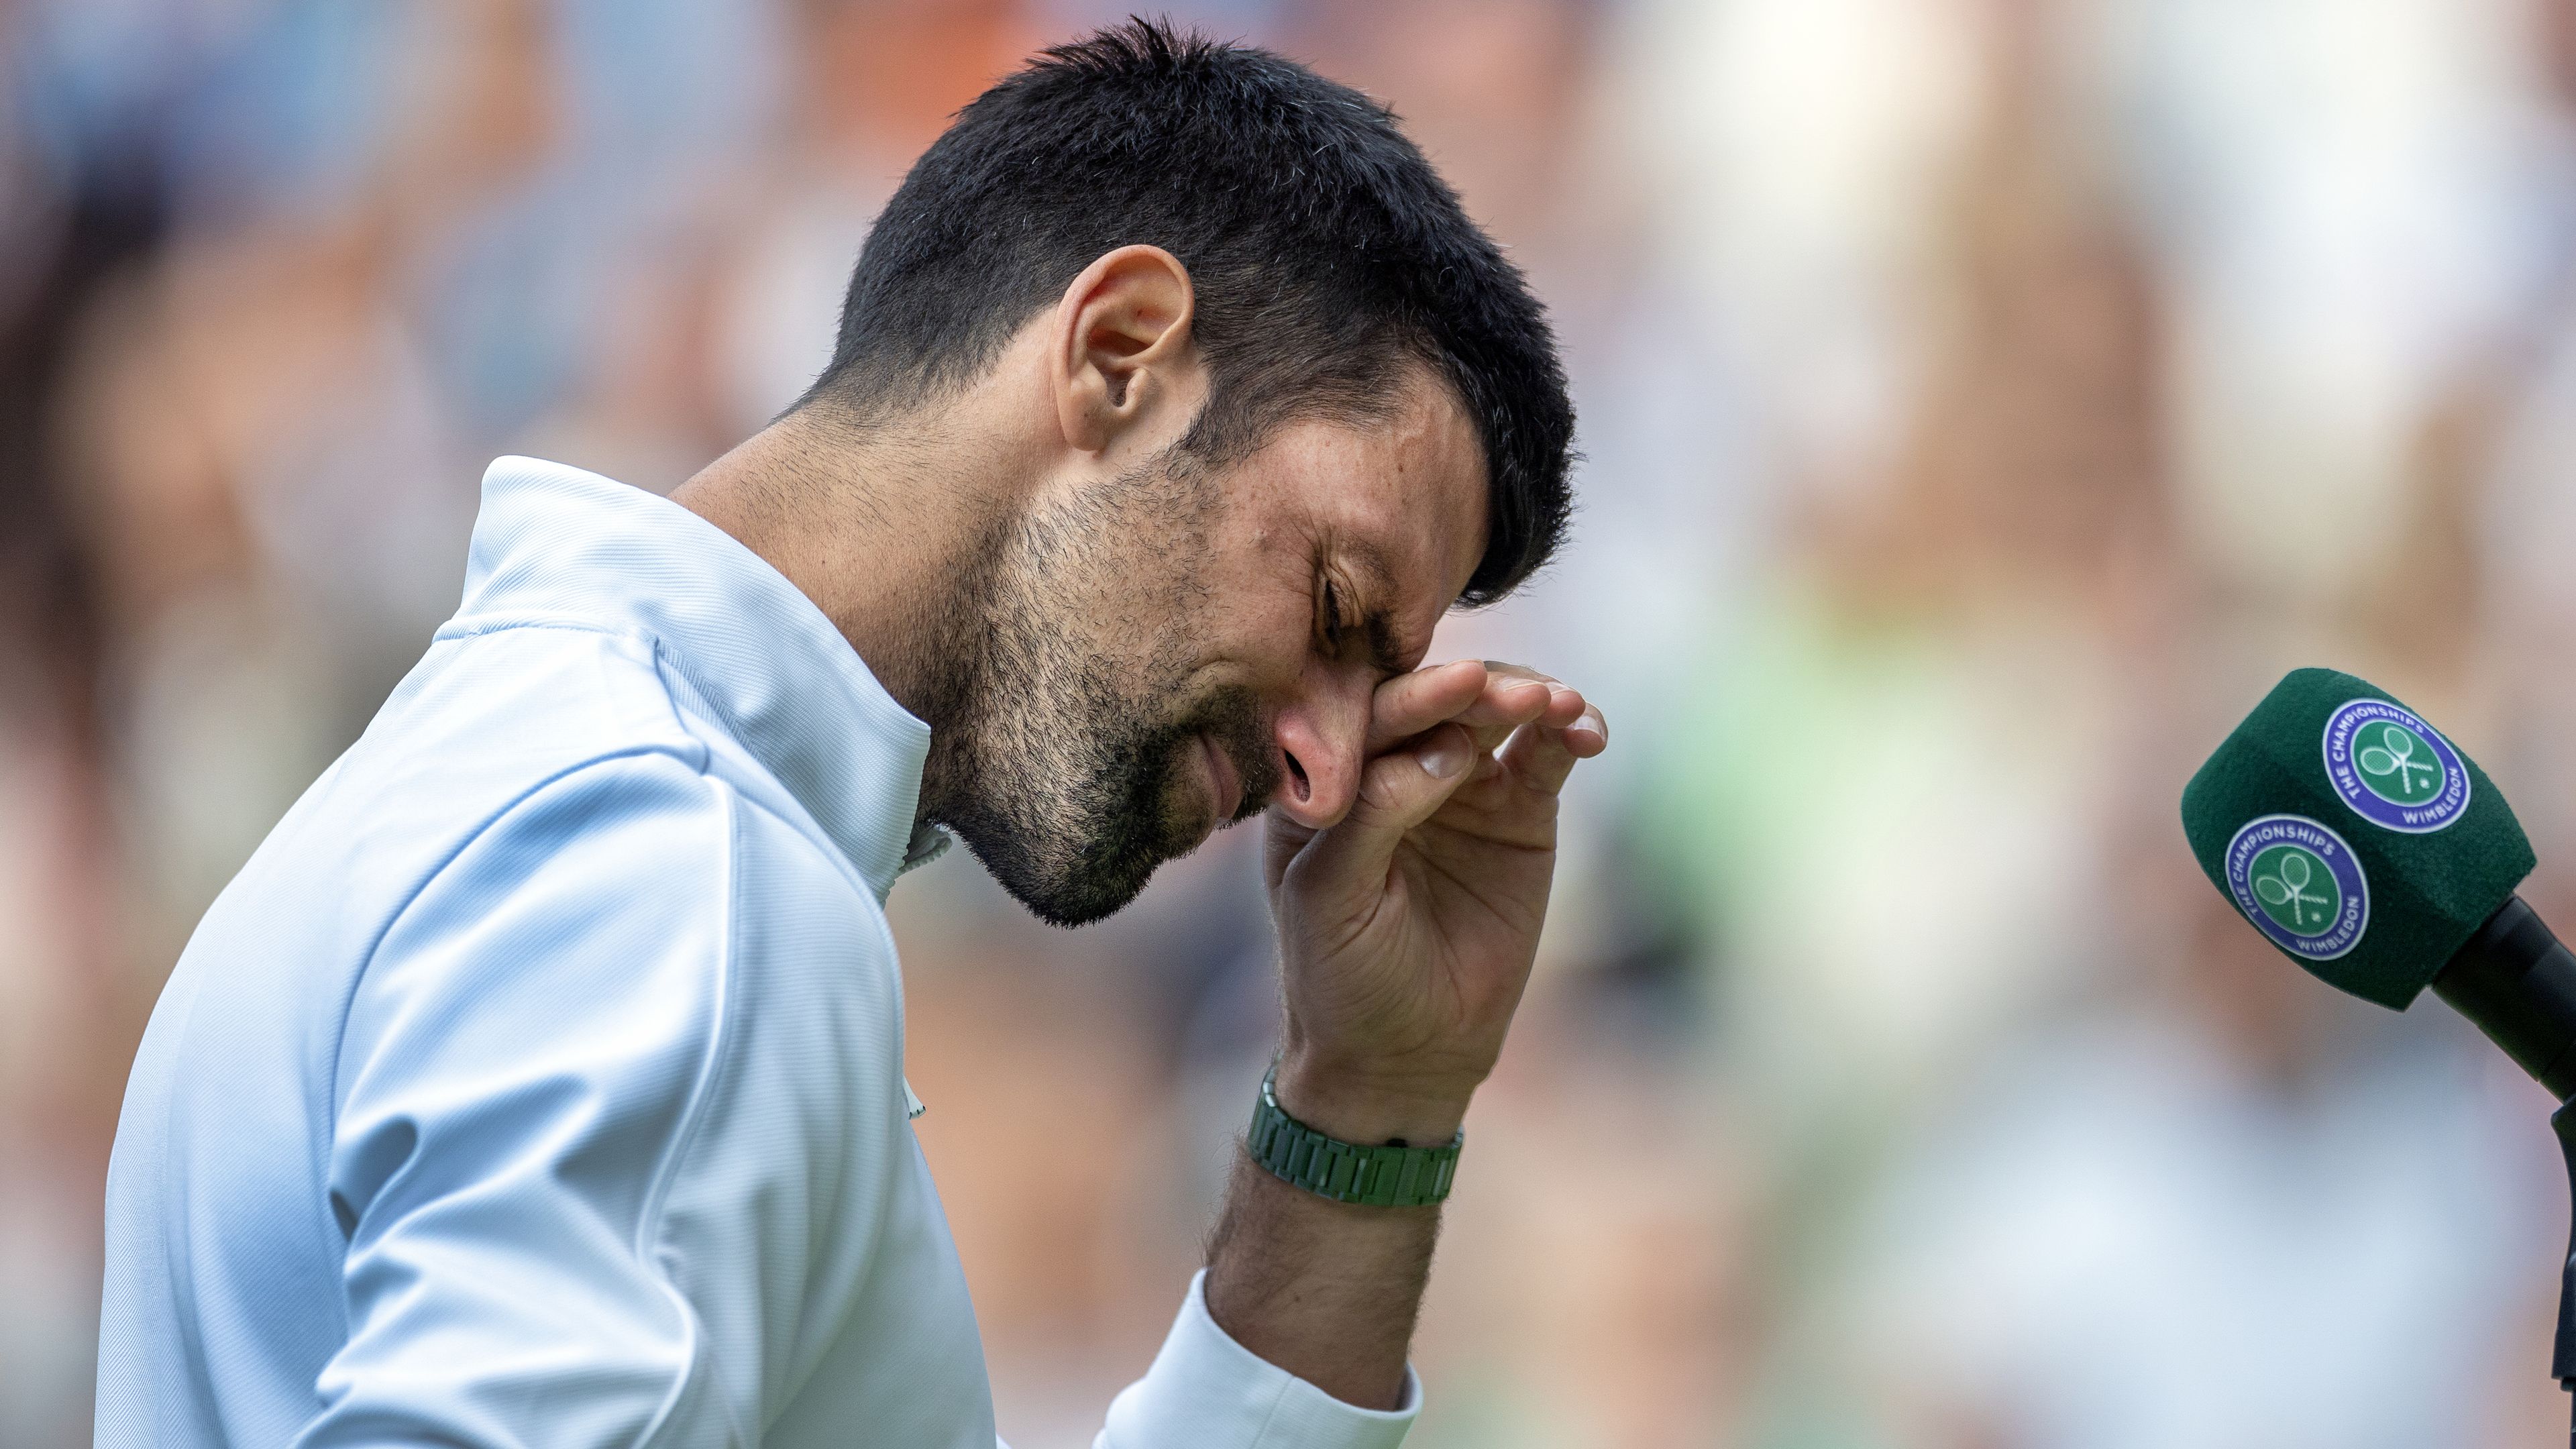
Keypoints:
pixel 492 739
pixel 533 698
pixel 520 732
pixel 593 904
pixel 639 914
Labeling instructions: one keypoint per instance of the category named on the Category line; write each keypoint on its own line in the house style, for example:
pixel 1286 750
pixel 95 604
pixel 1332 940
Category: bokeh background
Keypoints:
pixel 1982 402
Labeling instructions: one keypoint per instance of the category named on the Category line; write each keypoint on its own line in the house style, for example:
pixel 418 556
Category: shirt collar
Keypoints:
pixel 556 542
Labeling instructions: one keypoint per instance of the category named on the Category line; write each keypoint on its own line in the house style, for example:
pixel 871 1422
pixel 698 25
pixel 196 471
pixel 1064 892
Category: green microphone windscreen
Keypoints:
pixel 2353 835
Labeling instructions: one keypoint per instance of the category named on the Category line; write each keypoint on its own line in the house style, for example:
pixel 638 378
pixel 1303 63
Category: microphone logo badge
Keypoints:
pixel 2393 769
pixel 2300 884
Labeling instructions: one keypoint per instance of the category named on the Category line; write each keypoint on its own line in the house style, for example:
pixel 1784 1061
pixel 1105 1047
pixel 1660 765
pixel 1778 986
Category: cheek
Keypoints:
pixel 1256 610
pixel 1261 631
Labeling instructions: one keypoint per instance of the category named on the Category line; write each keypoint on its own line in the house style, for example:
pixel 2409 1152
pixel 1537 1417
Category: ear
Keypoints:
pixel 1122 355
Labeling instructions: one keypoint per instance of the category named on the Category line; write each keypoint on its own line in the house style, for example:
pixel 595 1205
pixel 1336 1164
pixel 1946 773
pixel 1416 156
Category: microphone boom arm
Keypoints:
pixel 2517 983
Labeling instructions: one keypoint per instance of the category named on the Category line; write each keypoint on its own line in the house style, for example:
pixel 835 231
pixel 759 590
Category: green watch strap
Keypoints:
pixel 1392 1176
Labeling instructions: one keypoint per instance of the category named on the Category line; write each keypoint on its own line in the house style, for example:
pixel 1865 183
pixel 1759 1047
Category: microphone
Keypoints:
pixel 2365 846
pixel 2372 852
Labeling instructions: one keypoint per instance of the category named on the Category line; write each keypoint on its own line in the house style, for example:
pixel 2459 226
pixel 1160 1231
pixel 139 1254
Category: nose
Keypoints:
pixel 1321 736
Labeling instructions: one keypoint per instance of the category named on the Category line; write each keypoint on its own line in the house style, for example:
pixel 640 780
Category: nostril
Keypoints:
pixel 1297 772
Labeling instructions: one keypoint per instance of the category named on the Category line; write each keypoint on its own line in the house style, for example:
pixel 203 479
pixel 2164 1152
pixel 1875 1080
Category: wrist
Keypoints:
pixel 1368 1109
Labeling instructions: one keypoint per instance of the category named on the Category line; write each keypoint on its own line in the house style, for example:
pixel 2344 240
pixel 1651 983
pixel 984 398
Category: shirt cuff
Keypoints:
pixel 1206 1391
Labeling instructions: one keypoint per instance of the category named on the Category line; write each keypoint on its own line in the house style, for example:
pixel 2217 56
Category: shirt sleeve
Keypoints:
pixel 520 1068
pixel 1206 1391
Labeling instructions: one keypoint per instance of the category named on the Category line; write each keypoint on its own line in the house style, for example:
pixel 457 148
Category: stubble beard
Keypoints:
pixel 1063 729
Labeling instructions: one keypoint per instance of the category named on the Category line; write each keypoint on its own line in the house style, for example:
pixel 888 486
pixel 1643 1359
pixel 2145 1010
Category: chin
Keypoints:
pixel 1073 862
pixel 1096 883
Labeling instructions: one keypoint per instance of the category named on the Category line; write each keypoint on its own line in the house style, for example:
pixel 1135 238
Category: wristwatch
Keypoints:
pixel 1391 1176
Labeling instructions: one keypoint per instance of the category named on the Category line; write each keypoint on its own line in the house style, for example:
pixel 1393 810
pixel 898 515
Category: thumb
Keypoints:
pixel 1399 790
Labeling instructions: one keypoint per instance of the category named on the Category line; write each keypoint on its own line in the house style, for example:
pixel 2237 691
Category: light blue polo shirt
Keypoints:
pixel 539 1082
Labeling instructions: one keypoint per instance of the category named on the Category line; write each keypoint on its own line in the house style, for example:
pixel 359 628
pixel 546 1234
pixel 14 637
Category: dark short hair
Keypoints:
pixel 1326 255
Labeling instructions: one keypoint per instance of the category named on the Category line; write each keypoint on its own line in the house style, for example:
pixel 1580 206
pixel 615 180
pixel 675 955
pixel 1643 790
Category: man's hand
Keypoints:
pixel 1407 930
pixel 1406 933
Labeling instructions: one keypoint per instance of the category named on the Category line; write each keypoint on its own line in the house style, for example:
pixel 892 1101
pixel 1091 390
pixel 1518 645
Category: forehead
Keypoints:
pixel 1403 492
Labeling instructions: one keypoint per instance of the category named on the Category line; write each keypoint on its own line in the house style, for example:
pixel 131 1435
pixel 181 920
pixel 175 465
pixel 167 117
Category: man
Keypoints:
pixel 539 1081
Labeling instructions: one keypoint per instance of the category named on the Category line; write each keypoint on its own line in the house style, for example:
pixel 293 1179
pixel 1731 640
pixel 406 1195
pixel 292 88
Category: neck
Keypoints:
pixel 886 528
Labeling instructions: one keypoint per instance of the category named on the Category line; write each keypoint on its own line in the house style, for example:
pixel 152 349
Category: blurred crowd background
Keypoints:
pixel 1983 401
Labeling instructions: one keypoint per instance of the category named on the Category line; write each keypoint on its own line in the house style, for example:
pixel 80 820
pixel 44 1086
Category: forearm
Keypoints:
pixel 1327 1290
pixel 1407 930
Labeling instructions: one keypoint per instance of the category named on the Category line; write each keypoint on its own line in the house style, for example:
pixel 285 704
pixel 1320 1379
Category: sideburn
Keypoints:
pixel 1053 760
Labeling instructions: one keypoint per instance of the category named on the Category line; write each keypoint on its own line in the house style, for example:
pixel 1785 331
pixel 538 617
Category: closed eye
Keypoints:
pixel 1385 653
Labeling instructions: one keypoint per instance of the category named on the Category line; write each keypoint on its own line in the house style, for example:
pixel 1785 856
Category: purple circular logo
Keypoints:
pixel 2300 884
pixel 2392 769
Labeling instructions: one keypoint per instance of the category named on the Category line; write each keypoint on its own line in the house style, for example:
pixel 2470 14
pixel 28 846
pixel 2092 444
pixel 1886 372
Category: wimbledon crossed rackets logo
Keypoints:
pixel 2396 764
pixel 2392 769
pixel 2299 883
pixel 2282 876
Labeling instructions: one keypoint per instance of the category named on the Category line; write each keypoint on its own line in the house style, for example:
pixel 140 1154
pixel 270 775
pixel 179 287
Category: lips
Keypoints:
pixel 1224 781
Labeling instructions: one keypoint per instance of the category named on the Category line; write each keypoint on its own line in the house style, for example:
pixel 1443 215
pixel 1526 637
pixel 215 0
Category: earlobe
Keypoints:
pixel 1123 354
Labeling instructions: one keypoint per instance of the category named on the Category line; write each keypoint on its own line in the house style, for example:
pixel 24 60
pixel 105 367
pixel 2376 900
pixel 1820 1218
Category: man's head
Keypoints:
pixel 1278 402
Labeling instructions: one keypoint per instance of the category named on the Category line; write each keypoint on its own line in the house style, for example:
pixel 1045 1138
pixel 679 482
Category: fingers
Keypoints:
pixel 1491 700
pixel 1508 702
pixel 1399 790
pixel 1408 704
pixel 1569 729
pixel 1542 755
pixel 1488 697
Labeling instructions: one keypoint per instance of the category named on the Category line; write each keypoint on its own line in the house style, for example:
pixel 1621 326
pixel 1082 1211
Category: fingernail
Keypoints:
pixel 1444 756
pixel 1586 727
